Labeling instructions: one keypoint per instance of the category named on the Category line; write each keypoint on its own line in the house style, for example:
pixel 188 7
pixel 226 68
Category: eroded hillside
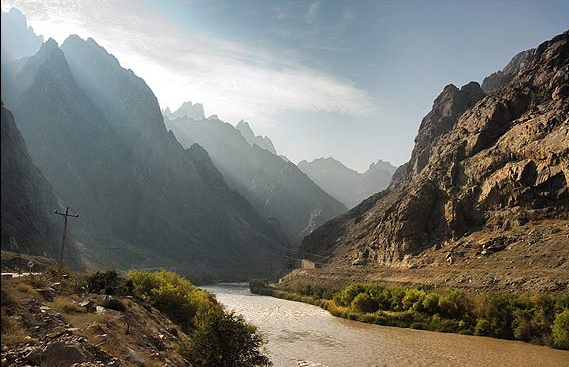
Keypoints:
pixel 484 167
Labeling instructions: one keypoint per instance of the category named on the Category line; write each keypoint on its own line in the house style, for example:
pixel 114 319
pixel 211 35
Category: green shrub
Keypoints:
pixel 347 295
pixel 225 340
pixel 431 303
pixel 397 295
pixel 108 283
pixel 174 295
pixel 560 330
pixel 482 327
pixel 363 303
pixel 454 304
pixel 258 284
pixel 114 304
pixel 413 299
pixel 521 324
pixel 499 313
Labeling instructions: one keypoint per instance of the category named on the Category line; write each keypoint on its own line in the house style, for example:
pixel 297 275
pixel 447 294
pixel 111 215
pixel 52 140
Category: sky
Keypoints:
pixel 348 79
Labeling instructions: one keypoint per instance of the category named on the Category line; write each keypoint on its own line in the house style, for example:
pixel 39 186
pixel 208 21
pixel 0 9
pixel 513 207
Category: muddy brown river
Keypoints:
pixel 299 334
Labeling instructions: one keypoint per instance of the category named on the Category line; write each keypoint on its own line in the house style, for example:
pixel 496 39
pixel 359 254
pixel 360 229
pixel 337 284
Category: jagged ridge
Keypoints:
pixel 480 161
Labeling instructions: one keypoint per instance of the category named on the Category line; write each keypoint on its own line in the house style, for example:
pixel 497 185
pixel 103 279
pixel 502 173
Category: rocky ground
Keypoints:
pixel 529 258
pixel 12 261
pixel 49 325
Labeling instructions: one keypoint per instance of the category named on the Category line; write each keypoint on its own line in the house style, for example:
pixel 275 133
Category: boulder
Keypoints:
pixel 60 354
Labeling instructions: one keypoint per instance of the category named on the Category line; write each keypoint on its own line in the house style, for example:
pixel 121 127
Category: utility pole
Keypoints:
pixel 66 215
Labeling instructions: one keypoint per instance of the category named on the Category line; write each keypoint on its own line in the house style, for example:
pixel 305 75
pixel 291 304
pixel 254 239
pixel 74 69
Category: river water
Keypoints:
pixel 304 335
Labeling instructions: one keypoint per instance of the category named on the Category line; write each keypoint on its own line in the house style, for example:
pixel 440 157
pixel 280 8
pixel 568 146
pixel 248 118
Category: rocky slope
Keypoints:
pixel 47 326
pixel 483 166
pixel 345 184
pixel 96 131
pixel 277 188
pixel 29 225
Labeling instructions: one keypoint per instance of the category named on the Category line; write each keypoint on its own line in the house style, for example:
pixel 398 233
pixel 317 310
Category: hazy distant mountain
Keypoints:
pixel 28 223
pixel 345 184
pixel 187 109
pixel 277 188
pixel 97 132
pixel 18 40
pixel 262 141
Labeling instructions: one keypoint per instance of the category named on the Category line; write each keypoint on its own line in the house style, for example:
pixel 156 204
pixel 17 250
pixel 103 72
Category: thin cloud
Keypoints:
pixel 231 79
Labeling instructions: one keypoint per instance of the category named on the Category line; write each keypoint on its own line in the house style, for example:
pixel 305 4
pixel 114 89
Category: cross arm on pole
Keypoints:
pixel 67 214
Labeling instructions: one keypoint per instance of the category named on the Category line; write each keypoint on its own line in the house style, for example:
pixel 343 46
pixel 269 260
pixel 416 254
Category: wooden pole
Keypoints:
pixel 65 215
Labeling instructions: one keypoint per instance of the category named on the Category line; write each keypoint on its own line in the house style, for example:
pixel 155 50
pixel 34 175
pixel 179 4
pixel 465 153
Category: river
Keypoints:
pixel 299 334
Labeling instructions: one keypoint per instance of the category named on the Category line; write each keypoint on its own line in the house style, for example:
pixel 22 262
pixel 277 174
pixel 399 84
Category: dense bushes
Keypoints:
pixel 561 330
pixel 216 338
pixel 108 282
pixel 537 318
pixel 363 303
pixel 173 295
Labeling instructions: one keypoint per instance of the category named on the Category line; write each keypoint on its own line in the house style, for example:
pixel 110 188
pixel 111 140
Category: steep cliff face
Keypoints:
pixel 97 132
pixel 480 161
pixel 28 223
pixel 345 184
pixel 275 187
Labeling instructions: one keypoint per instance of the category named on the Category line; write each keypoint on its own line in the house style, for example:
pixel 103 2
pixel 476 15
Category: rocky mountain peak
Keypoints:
pixel 18 40
pixel 447 108
pixel 187 109
pixel 480 163
pixel 263 142
pixel 382 165
pixel 245 129
pixel 518 63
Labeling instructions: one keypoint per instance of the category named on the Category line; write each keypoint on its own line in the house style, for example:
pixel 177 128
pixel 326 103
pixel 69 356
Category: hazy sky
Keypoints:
pixel 322 78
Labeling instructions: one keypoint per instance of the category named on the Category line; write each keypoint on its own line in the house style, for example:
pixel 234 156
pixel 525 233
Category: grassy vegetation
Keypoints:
pixel 536 318
pixel 64 304
pixel 213 337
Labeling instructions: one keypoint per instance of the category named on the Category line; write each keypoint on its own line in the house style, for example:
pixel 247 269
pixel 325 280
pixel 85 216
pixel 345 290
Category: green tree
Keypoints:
pixel 499 313
pixel 413 299
pixel 225 340
pixel 560 330
pixel 363 303
pixel 431 303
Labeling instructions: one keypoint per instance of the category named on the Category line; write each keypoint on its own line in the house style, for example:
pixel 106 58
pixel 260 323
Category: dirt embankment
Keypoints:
pixel 530 258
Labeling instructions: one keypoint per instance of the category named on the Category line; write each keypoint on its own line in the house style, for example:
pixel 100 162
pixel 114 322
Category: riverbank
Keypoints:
pixel 113 319
pixel 539 318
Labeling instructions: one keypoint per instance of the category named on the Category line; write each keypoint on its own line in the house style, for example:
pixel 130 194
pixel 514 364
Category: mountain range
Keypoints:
pixel 275 187
pixel 345 184
pixel 96 132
